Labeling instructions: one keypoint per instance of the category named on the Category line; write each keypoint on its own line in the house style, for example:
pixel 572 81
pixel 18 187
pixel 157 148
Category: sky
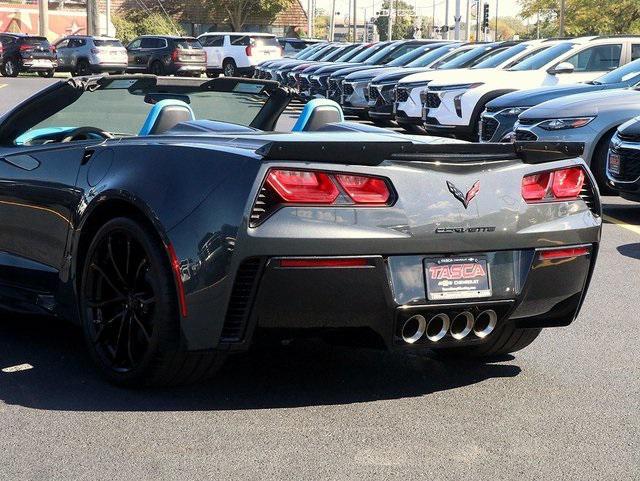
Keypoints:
pixel 423 7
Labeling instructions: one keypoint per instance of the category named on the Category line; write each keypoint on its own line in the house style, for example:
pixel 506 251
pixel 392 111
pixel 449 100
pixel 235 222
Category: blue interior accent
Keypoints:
pixel 308 109
pixel 152 117
pixel 31 135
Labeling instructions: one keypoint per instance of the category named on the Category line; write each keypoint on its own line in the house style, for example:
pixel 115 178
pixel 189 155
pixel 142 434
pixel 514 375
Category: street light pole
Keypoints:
pixel 446 19
pixel 355 21
pixel 496 34
pixel 309 16
pixel 332 23
pixel 478 22
pixel 457 20
pixel 467 26
pixel 562 5
pixel 43 17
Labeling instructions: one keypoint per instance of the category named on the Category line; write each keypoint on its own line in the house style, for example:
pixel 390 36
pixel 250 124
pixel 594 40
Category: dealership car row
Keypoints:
pixel 579 89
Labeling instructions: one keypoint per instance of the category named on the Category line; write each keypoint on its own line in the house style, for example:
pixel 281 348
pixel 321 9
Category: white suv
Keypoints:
pixel 238 53
pixel 453 106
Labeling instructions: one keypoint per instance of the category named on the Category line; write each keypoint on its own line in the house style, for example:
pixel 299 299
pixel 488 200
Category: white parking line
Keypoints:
pixel 624 225
pixel 3 85
pixel 19 367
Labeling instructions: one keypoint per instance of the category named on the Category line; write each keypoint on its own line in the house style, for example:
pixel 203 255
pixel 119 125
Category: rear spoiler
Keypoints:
pixel 376 152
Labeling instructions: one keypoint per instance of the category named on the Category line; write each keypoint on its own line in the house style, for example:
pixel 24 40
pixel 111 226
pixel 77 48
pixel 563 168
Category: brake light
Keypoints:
pixel 556 185
pixel 567 183
pixel 303 187
pixel 365 190
pixel 52 48
pixel 324 262
pixel 248 50
pixel 563 253
pixel 24 48
pixel 175 55
pixel 175 267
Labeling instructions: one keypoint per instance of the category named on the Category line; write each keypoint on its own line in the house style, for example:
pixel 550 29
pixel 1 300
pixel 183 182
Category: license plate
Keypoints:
pixel 614 163
pixel 40 62
pixel 457 278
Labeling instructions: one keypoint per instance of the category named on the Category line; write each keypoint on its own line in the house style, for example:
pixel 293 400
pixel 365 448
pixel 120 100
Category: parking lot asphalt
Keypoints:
pixel 566 407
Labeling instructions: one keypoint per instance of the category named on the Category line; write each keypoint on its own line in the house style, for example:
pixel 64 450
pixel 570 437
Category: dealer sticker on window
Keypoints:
pixel 457 278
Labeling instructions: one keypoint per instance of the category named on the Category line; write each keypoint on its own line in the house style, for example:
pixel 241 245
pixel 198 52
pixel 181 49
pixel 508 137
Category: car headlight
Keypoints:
pixel 566 123
pixel 513 111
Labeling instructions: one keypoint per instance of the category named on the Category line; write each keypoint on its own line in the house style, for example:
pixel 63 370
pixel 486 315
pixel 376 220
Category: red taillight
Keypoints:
pixel 324 262
pixel 562 184
pixel 303 187
pixel 567 183
pixel 364 190
pixel 52 48
pixel 563 253
pixel 24 48
pixel 175 54
pixel 248 50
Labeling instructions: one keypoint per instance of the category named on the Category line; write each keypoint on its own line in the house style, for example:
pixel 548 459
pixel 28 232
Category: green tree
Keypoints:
pixel 402 25
pixel 585 17
pixel 133 23
pixel 237 12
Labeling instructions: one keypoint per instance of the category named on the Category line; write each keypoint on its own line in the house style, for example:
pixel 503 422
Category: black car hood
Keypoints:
pixel 630 130
pixel 531 97
pixel 395 75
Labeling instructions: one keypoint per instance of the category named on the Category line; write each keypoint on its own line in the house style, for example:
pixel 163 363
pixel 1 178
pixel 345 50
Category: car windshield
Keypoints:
pixel 379 55
pixel 107 43
pixel 337 53
pixel 629 73
pixel 467 58
pixel 408 57
pixel 263 41
pixel 310 50
pixel 500 56
pixel 35 41
pixel 345 57
pixel 369 52
pixel 322 54
pixel 187 43
pixel 431 56
pixel 122 108
pixel 541 59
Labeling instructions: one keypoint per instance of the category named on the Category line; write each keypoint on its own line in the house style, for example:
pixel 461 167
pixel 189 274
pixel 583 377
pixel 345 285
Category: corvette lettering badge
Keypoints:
pixel 464 198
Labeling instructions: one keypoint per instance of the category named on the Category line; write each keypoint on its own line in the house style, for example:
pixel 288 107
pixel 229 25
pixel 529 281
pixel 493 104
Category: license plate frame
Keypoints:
pixel 460 277
pixel 613 163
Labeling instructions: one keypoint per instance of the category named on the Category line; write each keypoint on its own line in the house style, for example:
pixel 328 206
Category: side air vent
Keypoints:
pixel 242 295
pixel 264 206
pixel 589 198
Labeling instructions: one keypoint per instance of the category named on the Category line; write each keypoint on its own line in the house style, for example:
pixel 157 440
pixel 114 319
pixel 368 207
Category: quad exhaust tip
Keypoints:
pixel 437 327
pixel 414 328
pixel 485 323
pixel 462 325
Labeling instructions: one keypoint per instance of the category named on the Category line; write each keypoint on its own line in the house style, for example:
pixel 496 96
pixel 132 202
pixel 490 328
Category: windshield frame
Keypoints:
pixel 545 58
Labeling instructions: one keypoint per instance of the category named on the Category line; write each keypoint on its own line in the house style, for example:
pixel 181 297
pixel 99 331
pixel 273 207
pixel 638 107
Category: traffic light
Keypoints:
pixel 485 16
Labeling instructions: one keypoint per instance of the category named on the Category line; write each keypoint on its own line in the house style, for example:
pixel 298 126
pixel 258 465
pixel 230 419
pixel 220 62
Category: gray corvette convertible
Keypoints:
pixel 172 221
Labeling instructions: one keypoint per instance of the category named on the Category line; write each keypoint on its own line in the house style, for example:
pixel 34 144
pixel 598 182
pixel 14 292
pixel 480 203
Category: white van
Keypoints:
pixel 237 53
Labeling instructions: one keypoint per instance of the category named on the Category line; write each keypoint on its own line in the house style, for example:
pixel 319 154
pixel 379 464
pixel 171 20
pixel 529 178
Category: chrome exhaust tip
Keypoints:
pixel 413 328
pixel 437 327
pixel 462 325
pixel 485 323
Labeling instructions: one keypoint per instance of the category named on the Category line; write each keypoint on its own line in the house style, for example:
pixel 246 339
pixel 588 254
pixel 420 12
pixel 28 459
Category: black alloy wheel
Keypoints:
pixel 157 68
pixel 11 68
pixel 82 68
pixel 229 68
pixel 129 310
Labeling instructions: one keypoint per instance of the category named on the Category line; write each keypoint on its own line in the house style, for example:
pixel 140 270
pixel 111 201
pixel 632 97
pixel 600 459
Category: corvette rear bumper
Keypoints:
pixel 376 298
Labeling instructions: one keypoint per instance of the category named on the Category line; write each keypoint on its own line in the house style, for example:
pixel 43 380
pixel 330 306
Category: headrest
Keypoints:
pixel 165 115
pixel 318 113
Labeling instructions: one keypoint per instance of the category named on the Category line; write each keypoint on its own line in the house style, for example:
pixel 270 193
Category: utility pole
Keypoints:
pixel 309 15
pixel 457 19
pixel 562 5
pixel 433 19
pixel 446 20
pixel 332 21
pixel 478 22
pixel 43 17
pixel 92 17
pixel 496 34
pixel 467 25
pixel 355 21
pixel 389 27
pixel 107 14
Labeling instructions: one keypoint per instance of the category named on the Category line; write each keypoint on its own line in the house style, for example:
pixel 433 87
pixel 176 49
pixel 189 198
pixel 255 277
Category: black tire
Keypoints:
pixel 157 68
pixel 213 74
pixel 46 73
pixel 82 68
pixel 129 311
pixel 229 68
pixel 504 340
pixel 11 68
pixel 598 164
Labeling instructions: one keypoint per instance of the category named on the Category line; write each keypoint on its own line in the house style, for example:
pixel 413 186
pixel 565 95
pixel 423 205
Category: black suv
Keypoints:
pixel 167 55
pixel 26 53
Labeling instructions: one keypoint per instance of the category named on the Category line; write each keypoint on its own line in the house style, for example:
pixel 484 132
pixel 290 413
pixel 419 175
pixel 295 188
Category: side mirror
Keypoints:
pixel 562 67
